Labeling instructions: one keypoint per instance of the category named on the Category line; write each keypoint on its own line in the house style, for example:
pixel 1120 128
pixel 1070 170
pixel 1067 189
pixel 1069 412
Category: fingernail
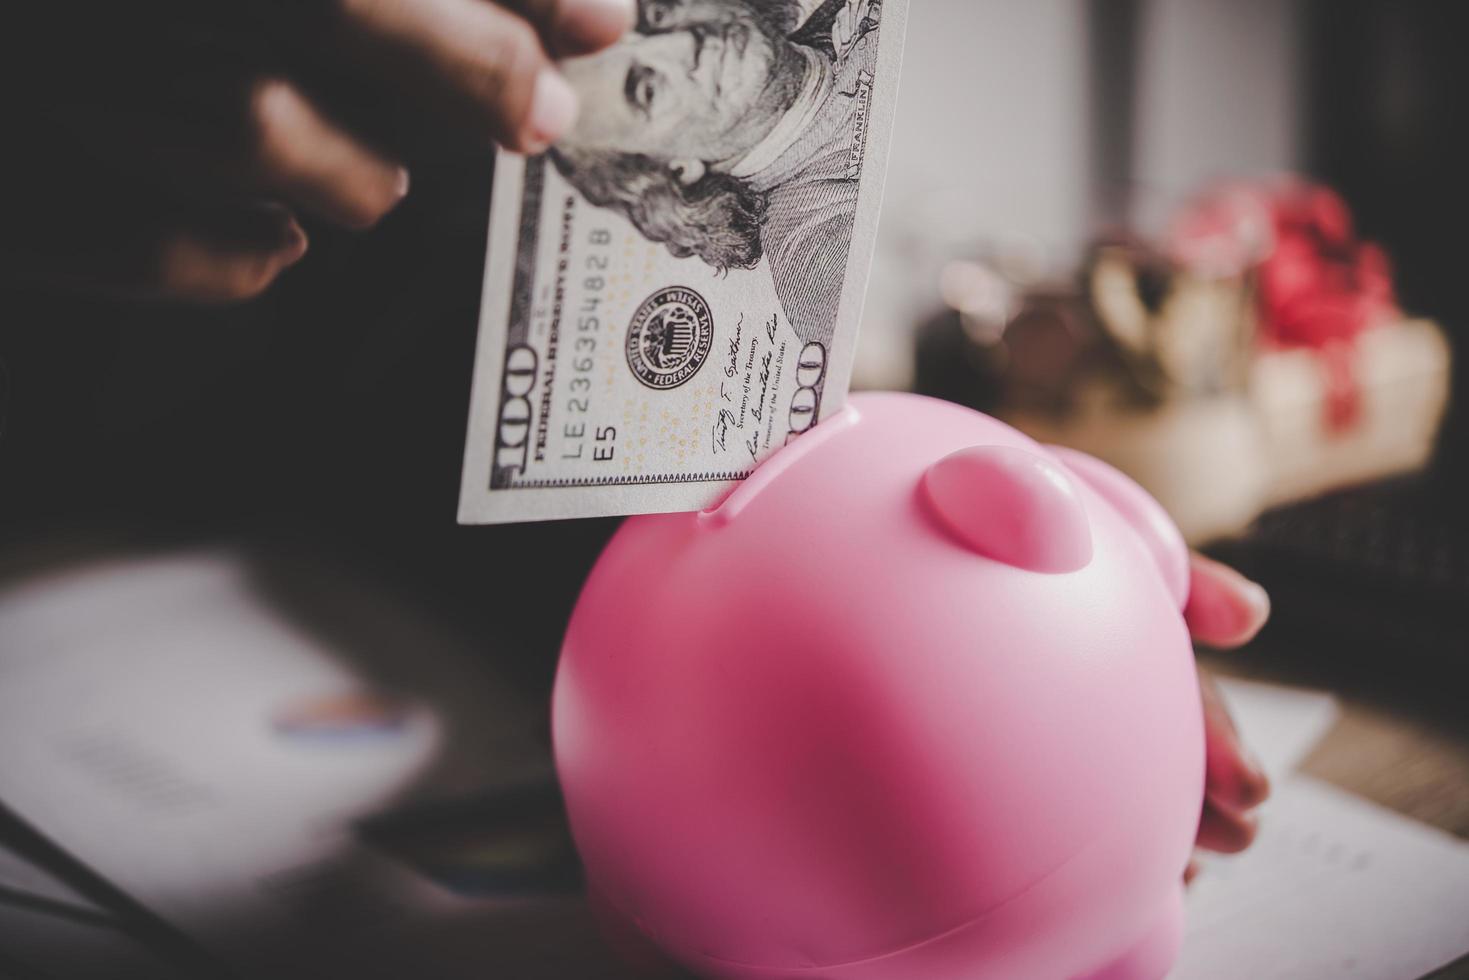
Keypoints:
pixel 552 110
pixel 593 23
pixel 1246 608
pixel 1256 602
pixel 295 245
pixel 401 182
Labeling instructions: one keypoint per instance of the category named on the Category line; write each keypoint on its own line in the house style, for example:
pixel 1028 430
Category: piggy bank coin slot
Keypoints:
pixel 770 470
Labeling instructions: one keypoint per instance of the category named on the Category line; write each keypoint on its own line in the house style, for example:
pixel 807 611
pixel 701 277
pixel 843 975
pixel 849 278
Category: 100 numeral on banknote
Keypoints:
pixel 673 292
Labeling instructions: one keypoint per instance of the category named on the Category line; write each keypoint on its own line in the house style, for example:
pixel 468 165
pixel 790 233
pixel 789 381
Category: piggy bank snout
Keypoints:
pixel 1013 506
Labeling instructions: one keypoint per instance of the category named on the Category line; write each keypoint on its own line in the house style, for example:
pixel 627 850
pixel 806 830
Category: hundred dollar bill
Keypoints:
pixel 672 293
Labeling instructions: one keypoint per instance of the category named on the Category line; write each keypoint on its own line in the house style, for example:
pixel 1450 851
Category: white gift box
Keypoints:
pixel 1215 462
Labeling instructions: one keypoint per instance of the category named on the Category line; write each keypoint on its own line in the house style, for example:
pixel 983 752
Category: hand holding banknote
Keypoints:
pixel 172 149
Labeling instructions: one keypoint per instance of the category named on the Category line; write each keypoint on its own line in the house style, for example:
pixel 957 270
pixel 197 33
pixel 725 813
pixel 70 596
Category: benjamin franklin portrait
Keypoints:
pixel 731 130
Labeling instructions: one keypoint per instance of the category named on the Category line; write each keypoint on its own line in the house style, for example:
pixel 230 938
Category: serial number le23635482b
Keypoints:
pixel 583 348
pixel 522 369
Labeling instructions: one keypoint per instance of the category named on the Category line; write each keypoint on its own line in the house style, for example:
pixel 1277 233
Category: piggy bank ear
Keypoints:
pixel 1142 512
pixel 1013 506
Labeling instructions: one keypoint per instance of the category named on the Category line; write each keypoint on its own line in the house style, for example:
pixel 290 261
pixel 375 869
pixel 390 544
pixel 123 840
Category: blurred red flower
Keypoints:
pixel 1318 283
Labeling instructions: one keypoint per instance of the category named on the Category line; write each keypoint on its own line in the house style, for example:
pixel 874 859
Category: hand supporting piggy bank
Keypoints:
pixel 915 702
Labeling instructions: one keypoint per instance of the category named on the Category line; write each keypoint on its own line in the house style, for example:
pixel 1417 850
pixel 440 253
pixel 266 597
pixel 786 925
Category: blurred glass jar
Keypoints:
pixel 1008 334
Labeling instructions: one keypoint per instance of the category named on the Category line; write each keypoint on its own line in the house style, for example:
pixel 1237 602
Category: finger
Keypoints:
pixel 1227 833
pixel 1224 609
pixel 300 157
pixel 203 266
pixel 1233 780
pixel 572 27
pixel 204 259
pixel 1191 871
pixel 478 64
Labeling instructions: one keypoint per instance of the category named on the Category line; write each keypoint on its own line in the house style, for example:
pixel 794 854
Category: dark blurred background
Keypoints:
pixel 1386 84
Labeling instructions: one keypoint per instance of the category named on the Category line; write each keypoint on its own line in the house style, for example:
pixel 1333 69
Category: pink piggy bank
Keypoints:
pixel 915 702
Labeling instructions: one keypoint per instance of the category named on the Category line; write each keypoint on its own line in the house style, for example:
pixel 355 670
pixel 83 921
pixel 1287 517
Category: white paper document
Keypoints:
pixel 1335 887
pixel 1280 725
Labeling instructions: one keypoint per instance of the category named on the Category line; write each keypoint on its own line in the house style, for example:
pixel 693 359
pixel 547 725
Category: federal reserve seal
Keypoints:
pixel 669 338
